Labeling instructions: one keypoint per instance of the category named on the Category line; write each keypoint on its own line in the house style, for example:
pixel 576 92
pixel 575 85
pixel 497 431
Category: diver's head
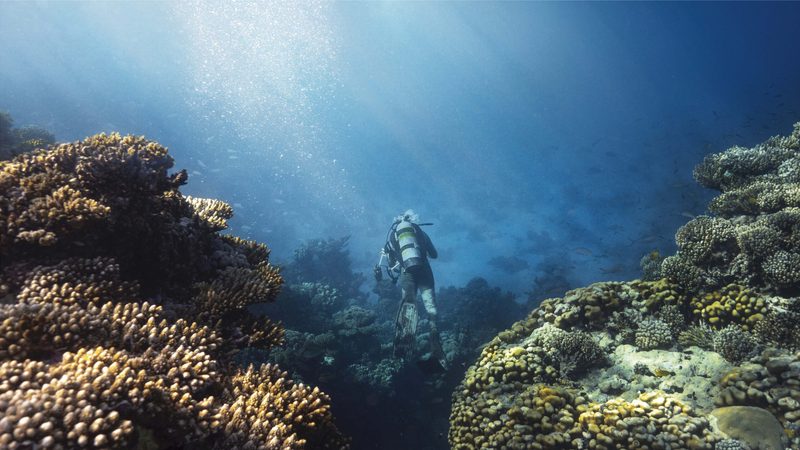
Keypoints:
pixel 409 216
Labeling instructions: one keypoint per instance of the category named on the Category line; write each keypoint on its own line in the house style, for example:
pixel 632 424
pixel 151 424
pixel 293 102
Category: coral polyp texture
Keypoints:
pixel 123 311
pixel 704 358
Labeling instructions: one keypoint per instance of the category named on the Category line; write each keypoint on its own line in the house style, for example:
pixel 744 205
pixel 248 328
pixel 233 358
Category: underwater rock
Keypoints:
pixel 753 426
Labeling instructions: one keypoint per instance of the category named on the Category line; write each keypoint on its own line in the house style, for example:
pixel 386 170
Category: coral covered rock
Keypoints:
pixel 754 239
pixel 726 297
pixel 124 310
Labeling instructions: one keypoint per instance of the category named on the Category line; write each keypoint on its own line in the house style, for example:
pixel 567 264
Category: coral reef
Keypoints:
pixel 727 297
pixel 732 304
pixel 124 312
pixel 14 141
pixel 653 333
pixel 651 266
pixel 343 341
pixel 755 238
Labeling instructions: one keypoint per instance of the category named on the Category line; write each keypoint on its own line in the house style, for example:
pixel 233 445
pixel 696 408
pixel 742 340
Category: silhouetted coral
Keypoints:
pixel 14 141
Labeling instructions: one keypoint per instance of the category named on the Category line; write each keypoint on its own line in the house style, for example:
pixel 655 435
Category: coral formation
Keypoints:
pixel 653 333
pixel 732 280
pixel 124 311
pixel 734 344
pixel 651 266
pixel 754 239
pixel 732 304
pixel 341 340
pixel 14 141
pixel 751 427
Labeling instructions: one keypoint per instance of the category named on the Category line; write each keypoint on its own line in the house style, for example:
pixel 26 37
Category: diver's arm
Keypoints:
pixel 429 246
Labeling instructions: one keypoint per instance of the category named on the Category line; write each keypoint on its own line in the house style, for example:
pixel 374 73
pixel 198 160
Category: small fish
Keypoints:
pixel 687 214
pixel 659 372
pixel 238 205
pixel 583 251
pixel 202 164
pixel 647 239
pixel 616 268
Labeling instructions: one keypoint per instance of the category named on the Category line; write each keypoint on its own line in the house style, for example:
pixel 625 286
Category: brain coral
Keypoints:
pixel 124 311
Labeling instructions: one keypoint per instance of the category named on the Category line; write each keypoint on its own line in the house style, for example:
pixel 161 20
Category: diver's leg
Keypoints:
pixel 408 287
pixel 428 294
pixel 406 322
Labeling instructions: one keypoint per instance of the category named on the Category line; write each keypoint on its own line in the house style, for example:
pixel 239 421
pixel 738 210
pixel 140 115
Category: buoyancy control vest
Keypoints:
pixel 411 252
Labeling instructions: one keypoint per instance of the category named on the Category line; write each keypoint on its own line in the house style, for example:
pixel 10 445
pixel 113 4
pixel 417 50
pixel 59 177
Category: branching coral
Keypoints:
pixel 85 361
pixel 755 238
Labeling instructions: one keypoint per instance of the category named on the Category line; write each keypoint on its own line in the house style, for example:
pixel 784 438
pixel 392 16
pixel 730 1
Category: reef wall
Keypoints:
pixel 124 311
pixel 705 357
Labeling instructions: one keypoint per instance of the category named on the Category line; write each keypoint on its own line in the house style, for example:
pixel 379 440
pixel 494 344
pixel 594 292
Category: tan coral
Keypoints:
pixel 211 212
pixel 85 361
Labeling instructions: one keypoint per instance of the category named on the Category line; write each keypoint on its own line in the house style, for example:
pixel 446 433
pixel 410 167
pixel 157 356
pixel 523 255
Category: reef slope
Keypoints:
pixel 684 361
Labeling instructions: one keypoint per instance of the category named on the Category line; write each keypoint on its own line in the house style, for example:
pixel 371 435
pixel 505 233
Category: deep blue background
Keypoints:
pixel 562 134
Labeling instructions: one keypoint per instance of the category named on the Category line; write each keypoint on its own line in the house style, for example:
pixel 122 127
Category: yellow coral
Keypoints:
pixel 733 303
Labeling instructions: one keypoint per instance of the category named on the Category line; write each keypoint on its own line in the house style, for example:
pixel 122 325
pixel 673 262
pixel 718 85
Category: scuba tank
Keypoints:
pixel 410 252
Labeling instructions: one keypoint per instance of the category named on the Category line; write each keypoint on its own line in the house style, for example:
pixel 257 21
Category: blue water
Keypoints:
pixel 557 138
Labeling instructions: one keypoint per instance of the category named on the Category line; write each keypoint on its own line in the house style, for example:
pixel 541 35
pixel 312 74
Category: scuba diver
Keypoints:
pixel 406 251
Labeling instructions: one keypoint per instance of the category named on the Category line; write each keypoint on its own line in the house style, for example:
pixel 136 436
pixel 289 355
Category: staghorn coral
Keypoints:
pixel 651 266
pixel 781 326
pixel 88 358
pixel 253 418
pixel 211 212
pixel 738 165
pixel 234 288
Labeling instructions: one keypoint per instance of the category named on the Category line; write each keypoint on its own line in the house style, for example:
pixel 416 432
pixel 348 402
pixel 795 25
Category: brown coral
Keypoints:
pixel 85 361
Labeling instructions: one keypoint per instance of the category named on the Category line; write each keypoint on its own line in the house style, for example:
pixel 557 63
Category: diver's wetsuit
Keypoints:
pixel 421 277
